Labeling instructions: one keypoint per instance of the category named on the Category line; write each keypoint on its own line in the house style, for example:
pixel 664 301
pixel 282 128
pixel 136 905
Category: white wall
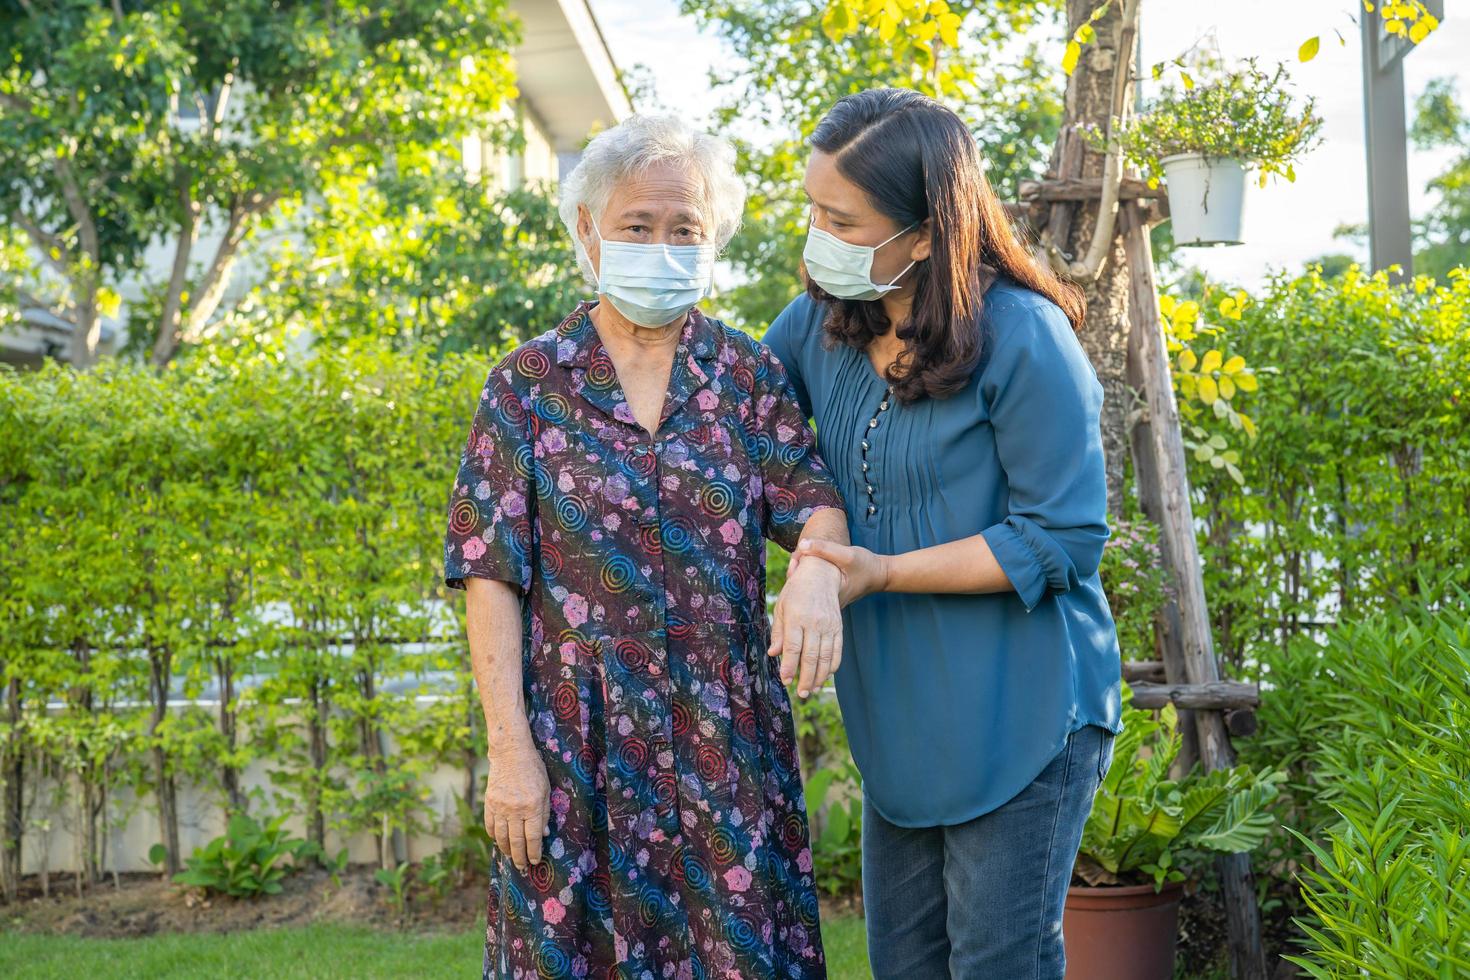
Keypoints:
pixel 132 826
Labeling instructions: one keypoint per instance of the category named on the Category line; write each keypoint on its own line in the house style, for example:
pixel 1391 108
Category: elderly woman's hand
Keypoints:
pixel 518 802
pixel 807 629
pixel 863 572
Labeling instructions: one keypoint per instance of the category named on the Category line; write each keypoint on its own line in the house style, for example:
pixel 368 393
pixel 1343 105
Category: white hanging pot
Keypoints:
pixel 1206 198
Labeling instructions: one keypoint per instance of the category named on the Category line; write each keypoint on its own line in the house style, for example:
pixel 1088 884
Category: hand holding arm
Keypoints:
pixel 966 565
pixel 1042 401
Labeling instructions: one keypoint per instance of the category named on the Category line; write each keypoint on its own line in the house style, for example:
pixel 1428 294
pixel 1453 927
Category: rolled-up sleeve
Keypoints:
pixel 489 530
pixel 795 481
pixel 1044 403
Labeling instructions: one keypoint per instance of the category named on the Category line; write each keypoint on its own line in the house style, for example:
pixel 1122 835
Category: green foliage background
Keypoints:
pixel 791 74
pixel 266 525
pixel 1370 724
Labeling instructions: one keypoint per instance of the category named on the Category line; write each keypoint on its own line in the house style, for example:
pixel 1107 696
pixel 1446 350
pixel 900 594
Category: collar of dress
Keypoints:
pixel 577 343
pixel 578 346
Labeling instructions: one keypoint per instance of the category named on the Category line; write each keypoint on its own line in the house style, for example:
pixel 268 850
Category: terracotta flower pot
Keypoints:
pixel 1124 932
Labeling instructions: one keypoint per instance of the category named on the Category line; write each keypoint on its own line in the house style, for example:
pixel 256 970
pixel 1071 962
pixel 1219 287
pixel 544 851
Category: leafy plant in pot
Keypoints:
pixel 1202 137
pixel 1146 835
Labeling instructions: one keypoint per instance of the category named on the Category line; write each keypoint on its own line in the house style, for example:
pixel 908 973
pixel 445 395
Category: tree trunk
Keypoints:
pixel 86 333
pixel 90 793
pixel 160 664
pixel 317 724
pixel 370 744
pixel 13 759
pixel 1104 334
pixel 224 670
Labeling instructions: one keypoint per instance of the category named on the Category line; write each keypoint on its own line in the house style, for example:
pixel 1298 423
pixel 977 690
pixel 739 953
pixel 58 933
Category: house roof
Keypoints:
pixel 565 71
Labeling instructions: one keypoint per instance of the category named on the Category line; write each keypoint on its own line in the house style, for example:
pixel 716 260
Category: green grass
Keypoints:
pixel 846 940
pixel 313 951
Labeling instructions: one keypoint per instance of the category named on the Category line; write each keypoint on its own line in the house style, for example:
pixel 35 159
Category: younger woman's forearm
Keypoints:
pixel 964 566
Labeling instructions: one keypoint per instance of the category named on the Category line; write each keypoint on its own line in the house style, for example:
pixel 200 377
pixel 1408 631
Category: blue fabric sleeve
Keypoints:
pixel 1044 404
pixel 786 336
pixel 795 481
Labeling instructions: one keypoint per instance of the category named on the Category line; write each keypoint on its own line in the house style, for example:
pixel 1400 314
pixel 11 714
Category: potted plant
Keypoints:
pixel 1145 835
pixel 1202 137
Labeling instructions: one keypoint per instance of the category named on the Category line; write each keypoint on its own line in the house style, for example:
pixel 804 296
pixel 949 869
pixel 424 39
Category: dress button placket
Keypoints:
pixel 867 474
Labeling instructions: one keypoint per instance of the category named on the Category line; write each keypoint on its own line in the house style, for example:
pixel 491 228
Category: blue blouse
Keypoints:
pixel 955 703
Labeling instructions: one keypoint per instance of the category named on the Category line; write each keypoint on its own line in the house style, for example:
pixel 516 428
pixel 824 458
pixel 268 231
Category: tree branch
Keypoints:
pixel 45 243
pixel 216 278
pixel 28 300
pixel 1090 265
pixel 167 338
pixel 76 205
pixel 88 329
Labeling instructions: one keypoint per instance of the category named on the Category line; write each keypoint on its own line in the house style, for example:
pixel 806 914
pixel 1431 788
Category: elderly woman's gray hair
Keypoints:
pixel 638 142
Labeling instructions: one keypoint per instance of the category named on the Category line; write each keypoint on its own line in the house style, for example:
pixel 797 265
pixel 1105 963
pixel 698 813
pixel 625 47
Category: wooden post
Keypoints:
pixel 1168 627
pixel 1194 656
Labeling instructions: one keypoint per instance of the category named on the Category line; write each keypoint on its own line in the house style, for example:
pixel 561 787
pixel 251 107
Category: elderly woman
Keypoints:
pixel 608 521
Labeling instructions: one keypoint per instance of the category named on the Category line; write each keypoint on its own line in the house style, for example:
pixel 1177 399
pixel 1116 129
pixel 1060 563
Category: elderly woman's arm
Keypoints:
pixel 518 794
pixel 489 519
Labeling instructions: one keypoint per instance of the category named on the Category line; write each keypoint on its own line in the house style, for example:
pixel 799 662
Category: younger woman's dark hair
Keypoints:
pixel 915 159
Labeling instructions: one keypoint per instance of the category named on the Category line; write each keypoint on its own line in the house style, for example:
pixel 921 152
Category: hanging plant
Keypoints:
pixel 1245 115
pixel 1203 137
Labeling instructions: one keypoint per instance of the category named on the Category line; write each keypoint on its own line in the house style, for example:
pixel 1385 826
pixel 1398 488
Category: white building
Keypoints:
pixel 568 89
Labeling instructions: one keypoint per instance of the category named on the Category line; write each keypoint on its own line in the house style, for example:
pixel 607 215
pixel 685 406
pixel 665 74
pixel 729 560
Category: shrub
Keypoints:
pixel 1358 486
pixel 263 524
pixel 1146 827
pixel 1372 725
pixel 247 861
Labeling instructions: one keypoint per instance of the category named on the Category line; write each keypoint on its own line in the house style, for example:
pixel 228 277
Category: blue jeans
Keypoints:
pixel 982 900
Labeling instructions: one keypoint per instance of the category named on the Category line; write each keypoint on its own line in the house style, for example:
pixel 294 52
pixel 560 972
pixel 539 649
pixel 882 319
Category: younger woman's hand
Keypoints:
pixel 863 572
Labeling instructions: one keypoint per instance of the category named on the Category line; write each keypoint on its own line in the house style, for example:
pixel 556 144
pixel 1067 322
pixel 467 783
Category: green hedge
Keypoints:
pixel 263 523
pixel 1355 496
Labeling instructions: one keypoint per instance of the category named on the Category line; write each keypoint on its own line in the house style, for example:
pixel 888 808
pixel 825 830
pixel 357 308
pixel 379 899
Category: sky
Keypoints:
pixel 1286 224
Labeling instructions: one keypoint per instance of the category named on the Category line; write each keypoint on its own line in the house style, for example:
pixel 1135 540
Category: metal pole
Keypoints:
pixel 1390 237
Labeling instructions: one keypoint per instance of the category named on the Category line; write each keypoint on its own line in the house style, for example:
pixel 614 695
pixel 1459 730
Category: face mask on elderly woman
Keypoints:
pixel 653 285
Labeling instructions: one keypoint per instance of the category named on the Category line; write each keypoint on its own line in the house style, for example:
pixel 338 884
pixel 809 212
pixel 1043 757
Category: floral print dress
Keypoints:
pixel 678 842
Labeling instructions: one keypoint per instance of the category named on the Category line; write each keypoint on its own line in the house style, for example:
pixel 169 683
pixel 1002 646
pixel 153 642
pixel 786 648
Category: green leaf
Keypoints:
pixel 1308 50
pixel 1244 822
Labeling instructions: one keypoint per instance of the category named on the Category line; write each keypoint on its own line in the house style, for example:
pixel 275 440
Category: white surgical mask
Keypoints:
pixel 653 285
pixel 845 270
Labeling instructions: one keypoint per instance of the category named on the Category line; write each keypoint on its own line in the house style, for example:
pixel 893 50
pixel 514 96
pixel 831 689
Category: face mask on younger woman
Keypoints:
pixel 845 270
